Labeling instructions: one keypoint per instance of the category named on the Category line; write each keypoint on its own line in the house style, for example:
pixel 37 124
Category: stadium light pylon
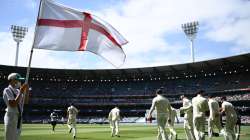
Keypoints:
pixel 18 33
pixel 191 29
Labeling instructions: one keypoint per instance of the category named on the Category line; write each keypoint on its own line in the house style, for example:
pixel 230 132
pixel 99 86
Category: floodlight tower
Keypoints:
pixel 191 29
pixel 18 33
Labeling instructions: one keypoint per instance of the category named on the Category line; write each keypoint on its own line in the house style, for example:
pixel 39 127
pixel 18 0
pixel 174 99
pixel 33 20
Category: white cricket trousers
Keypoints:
pixel 230 128
pixel 173 134
pixel 10 126
pixel 188 127
pixel 199 127
pixel 213 123
pixel 114 125
pixel 72 125
pixel 161 124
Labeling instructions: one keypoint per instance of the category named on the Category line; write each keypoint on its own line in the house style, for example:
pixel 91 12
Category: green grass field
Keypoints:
pixel 100 132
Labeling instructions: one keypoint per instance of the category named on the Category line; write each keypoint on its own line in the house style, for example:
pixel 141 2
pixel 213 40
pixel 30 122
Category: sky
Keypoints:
pixel 152 27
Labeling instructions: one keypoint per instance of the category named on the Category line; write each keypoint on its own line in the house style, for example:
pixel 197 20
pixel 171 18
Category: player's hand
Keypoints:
pixel 24 88
pixel 149 117
pixel 169 120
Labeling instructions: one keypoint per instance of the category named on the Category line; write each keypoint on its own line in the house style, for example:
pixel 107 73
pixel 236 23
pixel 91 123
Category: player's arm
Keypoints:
pixel 13 102
pixel 222 108
pixel 77 111
pixel 118 115
pixel 67 113
pixel 211 109
pixel 170 112
pixel 185 108
pixel 151 110
pixel 109 117
pixel 176 116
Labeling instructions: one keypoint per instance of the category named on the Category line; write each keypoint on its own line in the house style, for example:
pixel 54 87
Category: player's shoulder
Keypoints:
pixel 186 100
pixel 6 90
pixel 225 103
pixel 194 99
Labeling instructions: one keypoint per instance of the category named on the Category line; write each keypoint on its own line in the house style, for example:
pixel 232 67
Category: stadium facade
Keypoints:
pixel 95 92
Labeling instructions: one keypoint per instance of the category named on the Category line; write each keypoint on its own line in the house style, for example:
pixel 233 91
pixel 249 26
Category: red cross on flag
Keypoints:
pixel 65 29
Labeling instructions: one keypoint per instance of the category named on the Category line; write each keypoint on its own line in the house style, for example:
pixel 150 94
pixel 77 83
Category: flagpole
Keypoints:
pixel 30 58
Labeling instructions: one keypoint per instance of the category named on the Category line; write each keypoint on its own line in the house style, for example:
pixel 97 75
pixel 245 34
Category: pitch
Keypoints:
pixel 101 132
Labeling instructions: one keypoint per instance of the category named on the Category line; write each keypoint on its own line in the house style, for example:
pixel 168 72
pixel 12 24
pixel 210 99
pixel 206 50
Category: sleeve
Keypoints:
pixel 7 96
pixel 76 110
pixel 186 106
pixel 192 101
pixel 169 109
pixel 223 107
pixel 186 103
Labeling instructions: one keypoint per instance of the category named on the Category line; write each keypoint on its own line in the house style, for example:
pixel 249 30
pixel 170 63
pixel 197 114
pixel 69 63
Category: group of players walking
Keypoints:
pixel 195 112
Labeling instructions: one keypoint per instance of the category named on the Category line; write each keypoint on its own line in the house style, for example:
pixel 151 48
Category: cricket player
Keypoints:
pixel 231 119
pixel 214 116
pixel 173 134
pixel 71 114
pixel 163 109
pixel 53 119
pixel 114 118
pixel 13 98
pixel 200 107
pixel 187 109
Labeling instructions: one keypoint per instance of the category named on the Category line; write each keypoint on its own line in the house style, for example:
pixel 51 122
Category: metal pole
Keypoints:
pixel 17 52
pixel 192 49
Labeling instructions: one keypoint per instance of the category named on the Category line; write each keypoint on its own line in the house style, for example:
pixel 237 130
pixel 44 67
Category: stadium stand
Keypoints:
pixel 95 92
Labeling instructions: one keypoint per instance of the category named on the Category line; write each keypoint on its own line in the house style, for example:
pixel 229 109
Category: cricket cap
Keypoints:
pixel 15 76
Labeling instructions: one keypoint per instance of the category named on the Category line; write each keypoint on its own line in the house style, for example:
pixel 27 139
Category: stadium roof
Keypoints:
pixel 221 64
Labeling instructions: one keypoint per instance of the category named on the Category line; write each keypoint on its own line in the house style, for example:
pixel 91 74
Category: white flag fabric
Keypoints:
pixel 65 29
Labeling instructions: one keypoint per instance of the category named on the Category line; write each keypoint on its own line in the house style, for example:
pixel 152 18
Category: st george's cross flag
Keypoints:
pixel 65 29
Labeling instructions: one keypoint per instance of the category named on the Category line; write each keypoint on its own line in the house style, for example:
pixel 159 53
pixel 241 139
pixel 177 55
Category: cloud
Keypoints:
pixel 148 27
pixel 41 58
pixel 235 31
pixel 145 26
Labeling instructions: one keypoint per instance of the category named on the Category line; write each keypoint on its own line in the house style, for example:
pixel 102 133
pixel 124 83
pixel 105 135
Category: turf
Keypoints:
pixel 100 132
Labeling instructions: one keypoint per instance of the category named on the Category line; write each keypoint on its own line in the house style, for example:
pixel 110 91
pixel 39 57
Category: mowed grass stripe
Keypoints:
pixel 100 132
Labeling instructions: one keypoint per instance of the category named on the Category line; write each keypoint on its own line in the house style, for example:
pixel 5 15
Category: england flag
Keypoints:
pixel 65 29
